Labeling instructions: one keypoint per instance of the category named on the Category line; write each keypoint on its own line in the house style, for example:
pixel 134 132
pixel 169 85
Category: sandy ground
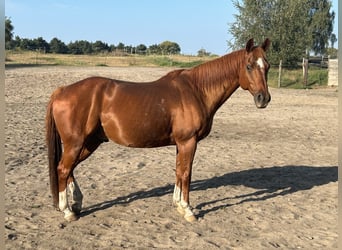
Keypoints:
pixel 263 179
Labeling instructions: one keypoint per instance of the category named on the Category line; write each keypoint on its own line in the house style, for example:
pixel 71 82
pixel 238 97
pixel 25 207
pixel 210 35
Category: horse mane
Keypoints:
pixel 173 74
pixel 211 75
pixel 219 70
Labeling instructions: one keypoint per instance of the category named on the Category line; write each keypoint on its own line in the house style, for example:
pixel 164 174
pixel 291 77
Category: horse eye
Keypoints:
pixel 249 67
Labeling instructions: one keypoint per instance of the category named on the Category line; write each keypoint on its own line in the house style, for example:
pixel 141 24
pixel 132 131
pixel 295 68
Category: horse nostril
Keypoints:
pixel 259 98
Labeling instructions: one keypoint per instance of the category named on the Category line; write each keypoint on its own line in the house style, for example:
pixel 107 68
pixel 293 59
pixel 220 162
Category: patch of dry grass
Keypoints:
pixel 37 58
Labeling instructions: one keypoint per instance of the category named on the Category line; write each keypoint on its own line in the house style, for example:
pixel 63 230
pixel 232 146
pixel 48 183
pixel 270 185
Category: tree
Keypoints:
pixel 203 52
pixel 25 44
pixel 332 52
pixel 80 47
pixel 14 43
pixel 8 30
pixel 168 47
pixel 295 27
pixel 129 49
pixel 320 24
pixel 8 34
pixel 154 49
pixel 120 47
pixel 141 49
pixel 333 40
pixel 57 46
pixel 291 38
pixel 250 22
pixel 40 44
pixel 99 47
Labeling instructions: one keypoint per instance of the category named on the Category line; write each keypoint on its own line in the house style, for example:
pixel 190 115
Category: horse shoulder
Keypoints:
pixel 190 118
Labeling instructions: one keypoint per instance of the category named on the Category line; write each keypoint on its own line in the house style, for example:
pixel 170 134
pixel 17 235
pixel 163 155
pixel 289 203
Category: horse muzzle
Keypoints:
pixel 261 100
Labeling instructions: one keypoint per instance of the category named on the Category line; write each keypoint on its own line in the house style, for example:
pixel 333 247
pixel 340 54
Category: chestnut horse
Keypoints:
pixel 177 109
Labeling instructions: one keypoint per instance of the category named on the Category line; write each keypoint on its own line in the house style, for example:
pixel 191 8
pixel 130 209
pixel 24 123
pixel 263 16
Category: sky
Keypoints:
pixel 193 24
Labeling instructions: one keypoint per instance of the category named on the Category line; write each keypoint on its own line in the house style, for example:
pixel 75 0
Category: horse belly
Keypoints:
pixel 139 132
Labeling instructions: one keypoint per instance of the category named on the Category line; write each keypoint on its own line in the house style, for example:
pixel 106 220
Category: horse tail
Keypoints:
pixel 54 146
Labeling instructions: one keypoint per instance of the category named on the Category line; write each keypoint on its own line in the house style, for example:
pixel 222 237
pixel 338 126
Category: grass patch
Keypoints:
pixel 293 78
pixel 170 62
pixel 32 58
pixel 101 65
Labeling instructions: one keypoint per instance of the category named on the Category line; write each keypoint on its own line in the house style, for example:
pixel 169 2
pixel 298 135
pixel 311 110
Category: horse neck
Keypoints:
pixel 218 79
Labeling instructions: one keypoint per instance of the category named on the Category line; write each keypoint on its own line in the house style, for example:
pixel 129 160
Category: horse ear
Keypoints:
pixel 250 45
pixel 266 44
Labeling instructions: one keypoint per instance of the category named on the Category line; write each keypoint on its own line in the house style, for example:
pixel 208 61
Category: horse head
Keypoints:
pixel 253 72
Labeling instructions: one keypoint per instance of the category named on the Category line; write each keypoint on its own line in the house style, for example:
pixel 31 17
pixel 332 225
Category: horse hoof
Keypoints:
pixel 190 218
pixel 71 217
pixel 76 210
pixel 180 210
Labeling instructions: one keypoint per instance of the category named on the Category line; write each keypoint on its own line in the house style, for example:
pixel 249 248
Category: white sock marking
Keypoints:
pixel 63 204
pixel 177 194
pixel 186 207
pixel 76 194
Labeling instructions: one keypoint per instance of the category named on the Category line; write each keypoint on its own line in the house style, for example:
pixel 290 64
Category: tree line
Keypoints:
pixel 297 28
pixel 81 47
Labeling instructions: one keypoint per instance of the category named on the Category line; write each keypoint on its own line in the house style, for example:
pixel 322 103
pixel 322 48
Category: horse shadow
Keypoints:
pixel 268 182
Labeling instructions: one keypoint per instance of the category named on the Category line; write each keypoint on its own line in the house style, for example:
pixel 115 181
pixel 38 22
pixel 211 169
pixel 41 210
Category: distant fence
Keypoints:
pixel 333 72
pixel 319 61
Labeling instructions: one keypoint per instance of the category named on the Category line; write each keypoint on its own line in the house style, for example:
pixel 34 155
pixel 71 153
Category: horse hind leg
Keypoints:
pixel 67 164
pixel 90 145
pixel 76 195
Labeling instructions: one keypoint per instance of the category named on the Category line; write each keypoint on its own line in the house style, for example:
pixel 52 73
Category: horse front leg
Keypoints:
pixel 185 155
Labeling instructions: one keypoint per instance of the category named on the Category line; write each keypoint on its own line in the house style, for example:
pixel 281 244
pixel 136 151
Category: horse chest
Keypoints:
pixel 191 122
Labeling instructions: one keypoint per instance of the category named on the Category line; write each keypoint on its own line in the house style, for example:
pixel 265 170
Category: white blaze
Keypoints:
pixel 260 62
